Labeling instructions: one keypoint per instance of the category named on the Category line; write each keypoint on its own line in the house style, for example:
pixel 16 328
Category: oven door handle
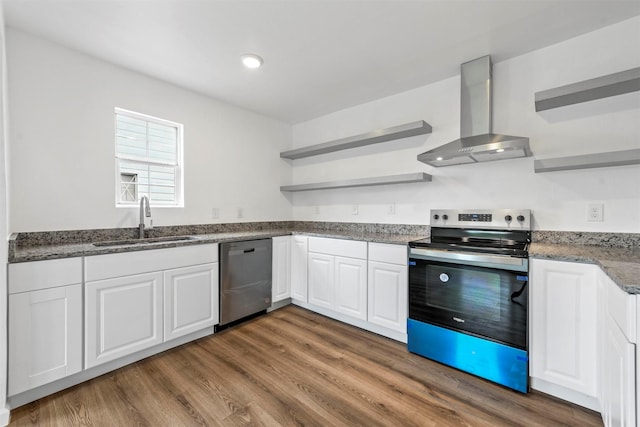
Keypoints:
pixel 509 263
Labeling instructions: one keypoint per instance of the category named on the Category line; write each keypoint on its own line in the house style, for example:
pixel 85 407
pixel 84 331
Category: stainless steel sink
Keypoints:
pixel 167 239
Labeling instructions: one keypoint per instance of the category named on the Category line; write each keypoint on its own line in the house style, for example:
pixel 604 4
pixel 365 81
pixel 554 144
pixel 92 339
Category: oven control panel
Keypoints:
pixel 499 219
pixel 478 217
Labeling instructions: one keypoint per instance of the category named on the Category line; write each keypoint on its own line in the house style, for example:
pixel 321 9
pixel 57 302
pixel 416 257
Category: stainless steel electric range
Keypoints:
pixel 468 293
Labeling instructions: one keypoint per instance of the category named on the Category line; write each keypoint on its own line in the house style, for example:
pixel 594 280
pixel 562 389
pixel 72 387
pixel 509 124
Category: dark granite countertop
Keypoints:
pixel 618 254
pixel 622 265
pixel 68 250
pixel 24 253
pixel 394 239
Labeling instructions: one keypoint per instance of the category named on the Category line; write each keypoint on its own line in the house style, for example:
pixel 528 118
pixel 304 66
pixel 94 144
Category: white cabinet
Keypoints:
pixel 299 268
pixel 563 307
pixel 618 367
pixel 137 300
pixel 621 306
pixel 387 287
pixel 583 335
pixel 190 300
pixel 360 283
pixel 281 268
pixel 338 276
pixel 618 379
pixel 45 322
pixel 123 315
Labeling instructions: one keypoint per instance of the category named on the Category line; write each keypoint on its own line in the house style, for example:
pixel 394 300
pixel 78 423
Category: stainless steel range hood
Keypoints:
pixel 477 142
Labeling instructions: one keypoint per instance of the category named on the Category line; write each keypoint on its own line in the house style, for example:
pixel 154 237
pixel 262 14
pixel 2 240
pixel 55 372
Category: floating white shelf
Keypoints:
pixel 361 182
pixel 382 135
pixel 600 160
pixel 589 90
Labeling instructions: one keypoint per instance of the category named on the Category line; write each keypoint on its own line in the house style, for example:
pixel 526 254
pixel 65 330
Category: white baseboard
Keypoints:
pixel 4 416
pixel 279 304
pixel 82 376
pixel 569 395
pixel 362 324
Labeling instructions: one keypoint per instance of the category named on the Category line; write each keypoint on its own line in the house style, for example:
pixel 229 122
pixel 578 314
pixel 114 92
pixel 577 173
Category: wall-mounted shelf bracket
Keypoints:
pixel 361 182
pixel 382 135
pixel 589 90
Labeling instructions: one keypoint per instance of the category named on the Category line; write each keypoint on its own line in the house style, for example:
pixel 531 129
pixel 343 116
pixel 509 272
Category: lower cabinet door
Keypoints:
pixel 350 288
pixel 123 316
pixel 45 336
pixel 387 294
pixel 190 299
pixel 618 388
pixel 299 268
pixel 281 268
pixel 321 280
pixel 563 308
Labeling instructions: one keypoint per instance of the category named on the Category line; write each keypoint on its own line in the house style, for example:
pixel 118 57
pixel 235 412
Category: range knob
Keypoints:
pixel 508 218
pixel 436 216
pixel 445 217
pixel 520 218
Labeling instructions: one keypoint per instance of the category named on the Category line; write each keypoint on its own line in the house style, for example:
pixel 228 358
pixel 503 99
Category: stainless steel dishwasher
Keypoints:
pixel 245 279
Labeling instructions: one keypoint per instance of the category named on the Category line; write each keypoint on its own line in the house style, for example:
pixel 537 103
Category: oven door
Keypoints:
pixel 486 301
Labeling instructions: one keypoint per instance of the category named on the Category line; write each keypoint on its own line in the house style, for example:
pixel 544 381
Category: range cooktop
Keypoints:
pixel 501 231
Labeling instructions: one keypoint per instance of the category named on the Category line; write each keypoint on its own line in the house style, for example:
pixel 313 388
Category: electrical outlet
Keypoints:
pixel 595 212
pixel 354 210
pixel 215 213
pixel 391 209
pixel 240 213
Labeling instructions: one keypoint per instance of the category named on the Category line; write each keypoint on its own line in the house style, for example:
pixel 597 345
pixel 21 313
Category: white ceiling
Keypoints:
pixel 320 56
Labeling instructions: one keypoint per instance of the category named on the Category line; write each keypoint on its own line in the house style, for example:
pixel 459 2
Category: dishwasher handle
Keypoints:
pixel 242 251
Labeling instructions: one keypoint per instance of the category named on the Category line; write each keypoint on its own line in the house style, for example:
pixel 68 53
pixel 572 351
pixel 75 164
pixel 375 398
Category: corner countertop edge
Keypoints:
pixel 622 265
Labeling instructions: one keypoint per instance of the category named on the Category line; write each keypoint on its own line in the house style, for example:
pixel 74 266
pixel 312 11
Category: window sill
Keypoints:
pixel 137 206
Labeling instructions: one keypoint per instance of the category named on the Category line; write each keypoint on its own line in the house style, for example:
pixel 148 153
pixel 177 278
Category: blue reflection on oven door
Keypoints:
pixel 487 359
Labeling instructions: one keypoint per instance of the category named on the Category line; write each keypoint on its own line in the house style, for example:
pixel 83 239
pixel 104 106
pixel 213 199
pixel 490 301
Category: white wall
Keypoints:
pixel 4 413
pixel 559 200
pixel 62 145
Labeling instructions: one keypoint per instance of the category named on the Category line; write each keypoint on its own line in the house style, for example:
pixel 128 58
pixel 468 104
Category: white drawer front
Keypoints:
pixel 34 275
pixel 338 247
pixel 392 254
pixel 101 267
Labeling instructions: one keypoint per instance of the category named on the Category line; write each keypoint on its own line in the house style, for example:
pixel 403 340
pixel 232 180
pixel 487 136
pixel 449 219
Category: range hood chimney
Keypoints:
pixel 477 141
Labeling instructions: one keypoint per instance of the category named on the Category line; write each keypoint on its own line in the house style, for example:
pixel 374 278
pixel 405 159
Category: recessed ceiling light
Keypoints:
pixel 499 150
pixel 439 158
pixel 251 60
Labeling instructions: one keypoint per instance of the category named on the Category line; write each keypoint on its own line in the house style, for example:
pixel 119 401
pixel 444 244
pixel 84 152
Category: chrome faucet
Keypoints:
pixel 144 212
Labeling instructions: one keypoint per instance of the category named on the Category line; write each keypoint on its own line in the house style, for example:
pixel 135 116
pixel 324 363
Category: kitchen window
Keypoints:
pixel 148 160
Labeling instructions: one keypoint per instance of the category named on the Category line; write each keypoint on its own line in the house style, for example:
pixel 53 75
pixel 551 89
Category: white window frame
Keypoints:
pixel 179 168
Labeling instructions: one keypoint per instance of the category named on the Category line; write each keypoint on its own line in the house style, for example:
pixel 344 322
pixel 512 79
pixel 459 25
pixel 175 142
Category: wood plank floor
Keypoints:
pixel 294 367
